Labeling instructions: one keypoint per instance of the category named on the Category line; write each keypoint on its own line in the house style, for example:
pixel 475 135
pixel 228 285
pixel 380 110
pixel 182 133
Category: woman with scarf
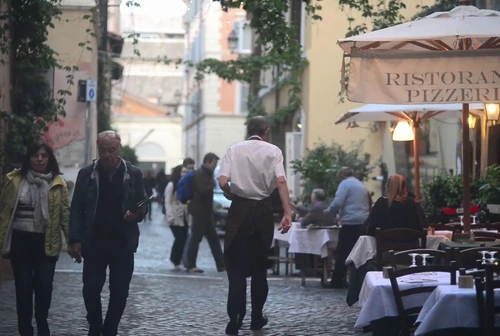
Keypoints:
pixel 34 211
pixel 176 217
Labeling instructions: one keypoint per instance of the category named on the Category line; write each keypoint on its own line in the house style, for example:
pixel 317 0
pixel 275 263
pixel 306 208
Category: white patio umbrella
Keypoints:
pixel 446 57
pixel 413 114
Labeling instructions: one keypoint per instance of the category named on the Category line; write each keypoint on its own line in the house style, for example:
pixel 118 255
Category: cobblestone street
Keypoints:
pixel 165 302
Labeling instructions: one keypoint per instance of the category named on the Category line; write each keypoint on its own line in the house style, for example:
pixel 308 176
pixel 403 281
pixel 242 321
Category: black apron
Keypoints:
pixel 249 234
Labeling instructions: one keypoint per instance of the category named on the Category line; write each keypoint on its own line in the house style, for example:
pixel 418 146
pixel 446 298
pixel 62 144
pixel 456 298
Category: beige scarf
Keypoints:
pixel 39 185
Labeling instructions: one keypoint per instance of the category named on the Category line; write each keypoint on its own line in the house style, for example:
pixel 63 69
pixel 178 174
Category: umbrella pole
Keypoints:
pixel 466 160
pixel 416 163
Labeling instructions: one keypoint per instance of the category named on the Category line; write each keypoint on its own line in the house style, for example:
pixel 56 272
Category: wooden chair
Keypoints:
pixel 485 296
pixel 406 314
pixel 472 254
pixel 404 258
pixel 398 240
pixel 485 236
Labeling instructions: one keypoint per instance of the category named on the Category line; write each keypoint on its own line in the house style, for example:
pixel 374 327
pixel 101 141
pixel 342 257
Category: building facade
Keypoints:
pixel 147 106
pixel 68 135
pixel 322 106
pixel 215 110
pixel 146 127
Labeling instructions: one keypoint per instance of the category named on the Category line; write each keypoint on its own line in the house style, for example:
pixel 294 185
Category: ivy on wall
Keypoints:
pixel 23 36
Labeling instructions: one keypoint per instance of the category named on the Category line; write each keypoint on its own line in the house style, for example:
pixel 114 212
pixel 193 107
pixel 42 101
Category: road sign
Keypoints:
pixel 91 90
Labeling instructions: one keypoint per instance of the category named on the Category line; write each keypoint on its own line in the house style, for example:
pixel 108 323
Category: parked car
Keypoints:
pixel 221 207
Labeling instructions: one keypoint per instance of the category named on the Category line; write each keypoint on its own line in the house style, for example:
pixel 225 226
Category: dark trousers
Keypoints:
pixel 121 268
pixel 180 237
pixel 348 236
pixel 237 296
pixel 203 226
pixel 33 272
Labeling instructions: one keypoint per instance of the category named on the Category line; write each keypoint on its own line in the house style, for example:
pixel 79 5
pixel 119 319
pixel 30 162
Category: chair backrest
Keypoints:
pixel 399 240
pixel 485 297
pixel 400 294
pixel 404 258
pixel 472 254
pixel 486 236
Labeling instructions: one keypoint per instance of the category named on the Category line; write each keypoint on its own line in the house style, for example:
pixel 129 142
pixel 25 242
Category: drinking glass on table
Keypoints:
pixel 483 261
pixel 413 259
pixel 424 258
pixel 474 220
pixel 461 220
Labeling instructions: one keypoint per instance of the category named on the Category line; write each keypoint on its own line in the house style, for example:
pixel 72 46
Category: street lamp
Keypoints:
pixel 492 111
pixel 403 132
pixel 232 40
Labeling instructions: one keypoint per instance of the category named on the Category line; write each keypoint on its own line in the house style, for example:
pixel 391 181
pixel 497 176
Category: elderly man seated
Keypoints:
pixel 315 213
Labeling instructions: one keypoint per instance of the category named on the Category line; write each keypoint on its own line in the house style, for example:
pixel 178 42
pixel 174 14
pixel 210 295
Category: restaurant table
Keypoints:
pixel 450 308
pixel 463 246
pixel 377 299
pixel 309 241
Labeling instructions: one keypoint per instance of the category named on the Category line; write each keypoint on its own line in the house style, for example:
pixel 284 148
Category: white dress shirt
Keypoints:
pixel 252 166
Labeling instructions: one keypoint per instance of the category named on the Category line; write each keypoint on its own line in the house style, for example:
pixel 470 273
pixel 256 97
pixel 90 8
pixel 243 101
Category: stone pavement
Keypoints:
pixel 169 303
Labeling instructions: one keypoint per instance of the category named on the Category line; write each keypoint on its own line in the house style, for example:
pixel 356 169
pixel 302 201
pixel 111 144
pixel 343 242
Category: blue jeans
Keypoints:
pixel 121 268
pixel 33 272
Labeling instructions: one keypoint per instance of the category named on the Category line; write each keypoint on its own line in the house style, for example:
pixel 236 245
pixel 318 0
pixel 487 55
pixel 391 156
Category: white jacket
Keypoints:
pixel 176 211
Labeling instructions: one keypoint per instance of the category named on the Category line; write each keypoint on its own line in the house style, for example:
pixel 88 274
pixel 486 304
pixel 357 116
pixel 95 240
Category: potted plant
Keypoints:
pixel 490 189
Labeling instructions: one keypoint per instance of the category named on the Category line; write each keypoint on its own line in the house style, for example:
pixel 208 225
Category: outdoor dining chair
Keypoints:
pixel 398 240
pixel 404 258
pixel 485 296
pixel 408 316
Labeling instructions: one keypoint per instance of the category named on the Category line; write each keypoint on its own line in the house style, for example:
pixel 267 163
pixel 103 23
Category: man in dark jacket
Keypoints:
pixel 315 214
pixel 104 230
pixel 202 212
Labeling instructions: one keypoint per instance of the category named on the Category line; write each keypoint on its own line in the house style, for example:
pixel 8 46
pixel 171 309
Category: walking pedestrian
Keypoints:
pixel 352 202
pixel 176 217
pixel 104 230
pixel 255 169
pixel 34 210
pixel 202 212
pixel 188 163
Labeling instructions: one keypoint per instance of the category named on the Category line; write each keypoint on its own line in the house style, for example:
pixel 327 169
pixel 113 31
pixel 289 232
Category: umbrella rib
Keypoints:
pixel 400 45
pixel 440 44
pixel 491 42
pixel 346 116
pixel 401 115
pixel 422 45
pixel 372 45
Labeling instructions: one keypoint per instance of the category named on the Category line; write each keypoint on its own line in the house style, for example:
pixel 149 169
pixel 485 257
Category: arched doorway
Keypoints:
pixel 151 156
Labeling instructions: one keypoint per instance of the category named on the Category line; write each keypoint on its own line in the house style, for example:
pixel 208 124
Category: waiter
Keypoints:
pixel 255 169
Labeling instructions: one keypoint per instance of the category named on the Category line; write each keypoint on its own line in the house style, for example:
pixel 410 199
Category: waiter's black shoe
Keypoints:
pixel 232 328
pixel 258 324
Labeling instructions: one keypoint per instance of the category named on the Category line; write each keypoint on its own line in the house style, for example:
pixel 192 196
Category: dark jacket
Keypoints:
pixel 203 193
pixel 84 205
pixel 407 214
pixel 316 216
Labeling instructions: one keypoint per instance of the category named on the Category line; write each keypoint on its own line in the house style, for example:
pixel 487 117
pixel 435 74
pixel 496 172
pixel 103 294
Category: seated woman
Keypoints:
pixel 396 210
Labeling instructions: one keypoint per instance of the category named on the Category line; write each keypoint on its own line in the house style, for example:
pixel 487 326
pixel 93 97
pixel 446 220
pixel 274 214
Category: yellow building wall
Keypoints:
pixel 64 38
pixel 321 86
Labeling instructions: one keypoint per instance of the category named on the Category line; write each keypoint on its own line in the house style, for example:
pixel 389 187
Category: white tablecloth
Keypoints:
pixel 366 249
pixel 377 300
pixel 309 241
pixel 450 307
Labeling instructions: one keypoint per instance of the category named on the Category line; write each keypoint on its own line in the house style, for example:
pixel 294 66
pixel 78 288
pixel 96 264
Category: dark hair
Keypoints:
pixel 176 176
pixel 187 161
pixel 209 157
pixel 52 165
pixel 257 126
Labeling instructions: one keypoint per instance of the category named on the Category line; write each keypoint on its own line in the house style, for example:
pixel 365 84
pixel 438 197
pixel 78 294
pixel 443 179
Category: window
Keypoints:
pixel 244 33
pixel 242 97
